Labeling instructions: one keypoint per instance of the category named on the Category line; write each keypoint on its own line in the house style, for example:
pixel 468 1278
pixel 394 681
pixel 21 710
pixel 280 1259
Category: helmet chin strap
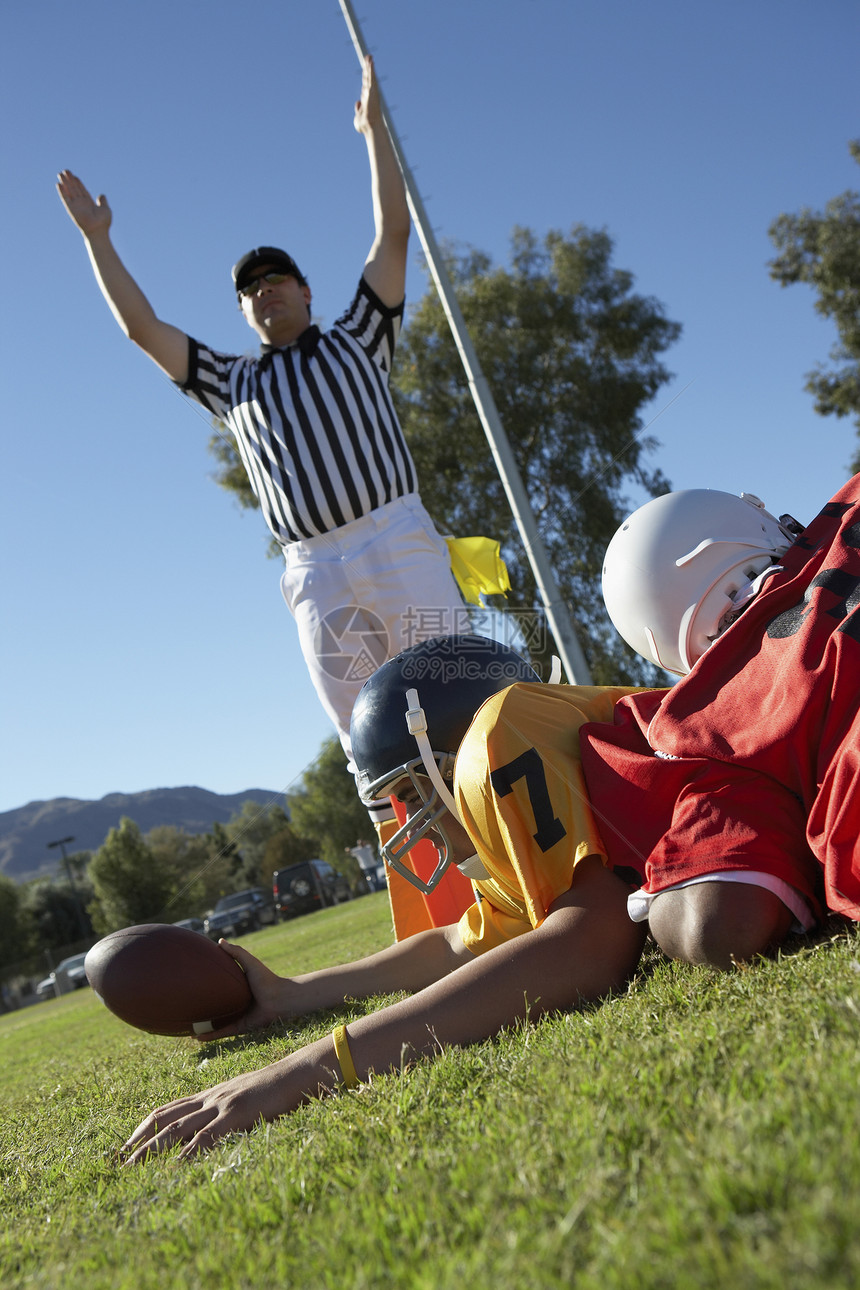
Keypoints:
pixel 417 724
pixel 472 867
pixel 745 594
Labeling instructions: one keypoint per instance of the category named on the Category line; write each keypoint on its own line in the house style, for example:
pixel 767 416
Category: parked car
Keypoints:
pixel 241 912
pixel 192 925
pixel 310 885
pixel 68 975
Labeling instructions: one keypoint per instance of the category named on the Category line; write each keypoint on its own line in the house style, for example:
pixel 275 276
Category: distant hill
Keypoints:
pixel 26 831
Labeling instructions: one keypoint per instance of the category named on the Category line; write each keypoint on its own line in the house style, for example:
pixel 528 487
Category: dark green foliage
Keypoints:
pixel 822 249
pixel 249 833
pixel 571 355
pixel 131 886
pixel 13 929
pixel 201 867
pixel 52 914
pixel 327 808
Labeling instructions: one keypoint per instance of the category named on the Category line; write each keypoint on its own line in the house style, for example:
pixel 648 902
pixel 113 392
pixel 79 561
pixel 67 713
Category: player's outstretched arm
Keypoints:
pixel 166 345
pixel 385 268
pixel 406 965
pixel 586 947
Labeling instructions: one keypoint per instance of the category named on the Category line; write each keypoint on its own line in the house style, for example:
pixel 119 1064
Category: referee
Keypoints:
pixel 366 573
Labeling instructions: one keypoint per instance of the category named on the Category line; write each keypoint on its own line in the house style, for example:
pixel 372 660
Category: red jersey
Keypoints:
pixel 752 760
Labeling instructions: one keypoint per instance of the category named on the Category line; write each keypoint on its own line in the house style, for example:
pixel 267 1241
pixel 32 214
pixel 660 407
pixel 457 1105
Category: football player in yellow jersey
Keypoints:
pixel 521 797
pixel 501 796
pixel 508 748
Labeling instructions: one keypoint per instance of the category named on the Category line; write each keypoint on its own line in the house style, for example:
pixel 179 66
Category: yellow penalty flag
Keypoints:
pixel 477 565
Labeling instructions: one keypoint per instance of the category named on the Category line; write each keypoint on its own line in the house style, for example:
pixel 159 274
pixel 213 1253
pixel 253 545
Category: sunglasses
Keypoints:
pixel 250 288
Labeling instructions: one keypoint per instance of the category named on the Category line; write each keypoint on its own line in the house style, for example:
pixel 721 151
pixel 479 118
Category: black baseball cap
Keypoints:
pixel 244 269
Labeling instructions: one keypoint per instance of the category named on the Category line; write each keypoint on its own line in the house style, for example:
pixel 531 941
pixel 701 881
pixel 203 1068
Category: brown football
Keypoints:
pixel 167 980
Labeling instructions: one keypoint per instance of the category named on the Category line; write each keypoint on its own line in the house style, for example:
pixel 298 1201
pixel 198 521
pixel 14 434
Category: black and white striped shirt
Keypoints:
pixel 314 423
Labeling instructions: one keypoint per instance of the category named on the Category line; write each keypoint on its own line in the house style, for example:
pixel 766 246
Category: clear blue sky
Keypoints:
pixel 145 642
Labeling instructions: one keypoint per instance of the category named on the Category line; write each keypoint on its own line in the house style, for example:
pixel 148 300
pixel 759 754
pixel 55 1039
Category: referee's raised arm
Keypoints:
pixel 385 268
pixel 166 345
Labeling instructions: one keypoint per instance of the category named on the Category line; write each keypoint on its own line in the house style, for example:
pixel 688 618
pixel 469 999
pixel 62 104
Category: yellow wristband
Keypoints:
pixel 348 1073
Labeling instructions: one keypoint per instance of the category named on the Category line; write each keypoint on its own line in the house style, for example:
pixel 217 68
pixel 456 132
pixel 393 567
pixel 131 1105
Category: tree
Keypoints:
pixel 250 832
pixel 287 847
pixel 823 250
pixel 201 868
pixel 54 912
pixel 13 923
pixel 131 885
pixel 326 807
pixel 570 353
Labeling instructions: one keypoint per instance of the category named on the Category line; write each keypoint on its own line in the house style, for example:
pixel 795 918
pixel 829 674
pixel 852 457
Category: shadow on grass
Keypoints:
pixel 253 1039
pixel 297 1032
pixel 834 928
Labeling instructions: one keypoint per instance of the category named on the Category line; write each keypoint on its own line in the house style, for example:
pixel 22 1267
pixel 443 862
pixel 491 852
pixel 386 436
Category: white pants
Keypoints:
pixel 363 593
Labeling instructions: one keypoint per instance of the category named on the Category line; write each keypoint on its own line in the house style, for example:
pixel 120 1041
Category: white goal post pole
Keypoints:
pixel 555 608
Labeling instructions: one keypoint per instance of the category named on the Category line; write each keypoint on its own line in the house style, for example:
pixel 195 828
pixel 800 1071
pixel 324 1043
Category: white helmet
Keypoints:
pixel 683 562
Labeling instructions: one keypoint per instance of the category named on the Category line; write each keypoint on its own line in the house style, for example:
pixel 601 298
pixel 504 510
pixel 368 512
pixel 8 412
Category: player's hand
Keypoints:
pixel 90 216
pixel 198 1121
pixel 368 111
pixel 271 995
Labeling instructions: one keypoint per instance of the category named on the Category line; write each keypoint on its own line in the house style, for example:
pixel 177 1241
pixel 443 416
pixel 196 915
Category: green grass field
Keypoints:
pixel 699 1131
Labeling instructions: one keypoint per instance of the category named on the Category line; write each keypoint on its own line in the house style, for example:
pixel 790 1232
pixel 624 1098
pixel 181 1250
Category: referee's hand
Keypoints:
pixel 89 215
